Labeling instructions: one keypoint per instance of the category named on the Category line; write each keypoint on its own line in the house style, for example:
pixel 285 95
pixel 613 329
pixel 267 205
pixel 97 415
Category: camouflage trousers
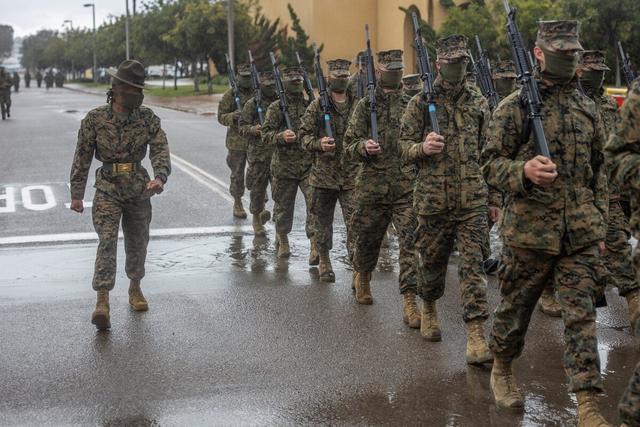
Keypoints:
pixel 369 225
pixel 629 406
pixel 323 206
pixel 5 100
pixel 437 235
pixel 618 257
pixel 258 178
pixel 523 276
pixel 236 160
pixel 284 191
pixel 135 216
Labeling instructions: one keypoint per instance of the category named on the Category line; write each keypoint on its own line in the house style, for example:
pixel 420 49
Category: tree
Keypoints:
pixel 33 49
pixel 298 43
pixel 475 20
pixel 6 41
pixel 265 37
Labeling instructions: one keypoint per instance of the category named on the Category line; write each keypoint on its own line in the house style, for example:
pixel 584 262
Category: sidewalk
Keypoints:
pixel 204 105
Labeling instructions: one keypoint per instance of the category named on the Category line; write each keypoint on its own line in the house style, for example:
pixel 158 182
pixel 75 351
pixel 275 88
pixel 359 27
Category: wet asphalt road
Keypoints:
pixel 233 336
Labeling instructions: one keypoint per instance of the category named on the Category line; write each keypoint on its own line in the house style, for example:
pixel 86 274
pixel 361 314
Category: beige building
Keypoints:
pixel 339 24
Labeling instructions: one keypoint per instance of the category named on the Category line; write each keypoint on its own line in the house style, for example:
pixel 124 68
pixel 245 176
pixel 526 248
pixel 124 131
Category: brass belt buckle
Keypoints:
pixel 123 167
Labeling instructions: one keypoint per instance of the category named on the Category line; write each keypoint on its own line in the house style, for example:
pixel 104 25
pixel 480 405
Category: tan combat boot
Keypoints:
pixel 258 226
pixel 410 314
pixel 100 316
pixel 314 256
pixel 363 289
pixel 238 209
pixel 326 270
pixel 477 349
pixel 588 412
pixel 429 328
pixel 548 303
pixel 136 299
pixel 503 385
pixel 282 245
pixel 633 303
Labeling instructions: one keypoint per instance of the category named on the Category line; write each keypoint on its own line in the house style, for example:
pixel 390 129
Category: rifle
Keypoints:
pixel 371 87
pixel 232 83
pixel 359 82
pixel 426 75
pixel 324 95
pixel 284 108
pixel 255 82
pixel 530 93
pixel 629 75
pixel 482 69
pixel 307 81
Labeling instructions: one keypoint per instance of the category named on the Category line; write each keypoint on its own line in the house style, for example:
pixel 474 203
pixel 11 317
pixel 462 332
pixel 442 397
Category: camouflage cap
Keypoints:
pixel 593 60
pixel 412 82
pixel 558 35
pixel 339 67
pixel 452 47
pixel 390 59
pixel 504 69
pixel 243 69
pixel 267 78
pixel 292 73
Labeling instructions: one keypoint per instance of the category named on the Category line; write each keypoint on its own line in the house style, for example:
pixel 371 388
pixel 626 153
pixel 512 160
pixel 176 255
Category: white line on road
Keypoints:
pixel 161 232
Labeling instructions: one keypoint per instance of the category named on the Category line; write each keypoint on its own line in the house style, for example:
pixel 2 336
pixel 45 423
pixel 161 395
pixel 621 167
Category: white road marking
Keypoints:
pixel 9 198
pixel 49 199
pixel 162 232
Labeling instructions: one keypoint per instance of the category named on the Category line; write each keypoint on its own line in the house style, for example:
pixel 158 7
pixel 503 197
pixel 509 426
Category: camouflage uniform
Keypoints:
pixel 16 82
pixel 27 79
pixel 236 143
pixel 48 79
pixel 383 192
pixel 258 153
pixel 290 164
pixel 450 196
pixel 116 138
pixel 551 233
pixel 59 79
pixel 332 175
pixel 358 78
pixel 5 93
pixel 624 159
pixel 39 78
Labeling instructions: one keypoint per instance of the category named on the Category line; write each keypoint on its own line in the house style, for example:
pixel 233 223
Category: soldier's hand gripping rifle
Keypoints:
pixel 232 83
pixel 255 82
pixel 426 75
pixel 307 81
pixel 629 75
pixel 371 87
pixel 324 94
pixel 530 93
pixel 485 79
pixel 282 98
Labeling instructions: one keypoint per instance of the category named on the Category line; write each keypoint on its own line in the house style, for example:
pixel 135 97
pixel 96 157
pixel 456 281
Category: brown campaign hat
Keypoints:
pixel 390 59
pixel 339 67
pixel 593 60
pixel 452 47
pixel 130 72
pixel 558 35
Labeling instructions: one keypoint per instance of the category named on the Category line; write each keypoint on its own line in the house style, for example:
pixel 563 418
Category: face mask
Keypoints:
pixel 559 67
pixel 411 92
pixel 244 82
pixel 390 79
pixel 338 85
pixel 505 87
pixel 131 101
pixel 592 80
pixel 453 72
pixel 269 91
pixel 293 87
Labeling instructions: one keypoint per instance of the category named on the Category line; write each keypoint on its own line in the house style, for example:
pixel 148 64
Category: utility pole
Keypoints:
pixel 73 68
pixel 95 61
pixel 126 28
pixel 230 32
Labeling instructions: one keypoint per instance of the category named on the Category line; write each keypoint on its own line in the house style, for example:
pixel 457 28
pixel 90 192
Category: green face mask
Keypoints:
pixel 559 67
pixel 244 82
pixel 338 85
pixel 269 91
pixel 390 79
pixel 453 72
pixel 293 87
pixel 592 81
pixel 505 86
pixel 131 101
pixel 411 92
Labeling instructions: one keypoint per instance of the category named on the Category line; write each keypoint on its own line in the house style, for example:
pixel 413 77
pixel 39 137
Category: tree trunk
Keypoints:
pixel 194 69
pixel 164 76
pixel 209 82
pixel 175 75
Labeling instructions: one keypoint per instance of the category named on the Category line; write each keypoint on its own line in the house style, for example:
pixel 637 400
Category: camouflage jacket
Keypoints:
pixel 380 179
pixel 352 86
pixel 333 169
pixel 119 141
pixel 623 152
pixel 451 180
pixel 289 160
pixel 256 150
pixel 5 84
pixel 226 112
pixel 571 213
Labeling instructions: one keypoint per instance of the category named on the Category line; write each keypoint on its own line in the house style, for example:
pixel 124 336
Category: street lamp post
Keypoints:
pixel 73 69
pixel 126 28
pixel 95 61
pixel 230 33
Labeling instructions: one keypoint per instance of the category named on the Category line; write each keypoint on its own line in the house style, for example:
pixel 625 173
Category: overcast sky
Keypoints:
pixel 28 16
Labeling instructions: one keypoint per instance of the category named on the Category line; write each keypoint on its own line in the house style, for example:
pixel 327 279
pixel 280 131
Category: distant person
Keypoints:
pixel 48 79
pixel 39 78
pixel 5 93
pixel 118 134
pixel 27 79
pixel 59 79
pixel 16 81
